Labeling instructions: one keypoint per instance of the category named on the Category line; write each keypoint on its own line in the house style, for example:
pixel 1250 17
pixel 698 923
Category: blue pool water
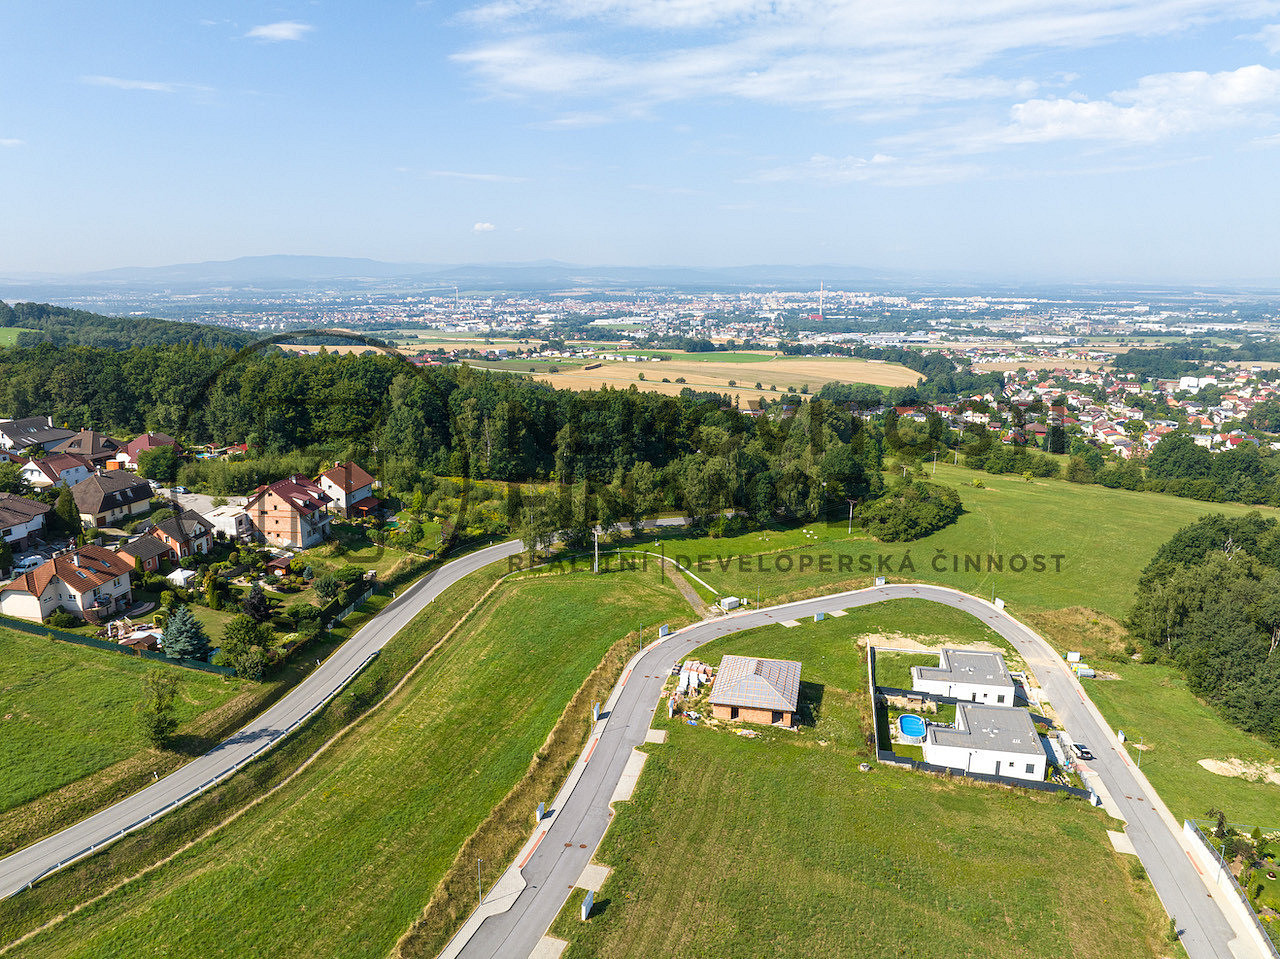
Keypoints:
pixel 912 728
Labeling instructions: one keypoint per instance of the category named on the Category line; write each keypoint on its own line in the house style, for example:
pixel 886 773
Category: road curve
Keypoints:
pixel 269 728
pixel 575 832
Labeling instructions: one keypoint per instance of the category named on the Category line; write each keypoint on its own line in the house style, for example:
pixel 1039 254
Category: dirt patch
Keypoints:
pixel 1094 635
pixel 1254 772
pixel 925 644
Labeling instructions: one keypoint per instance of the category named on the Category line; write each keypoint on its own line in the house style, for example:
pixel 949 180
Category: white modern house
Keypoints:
pixel 996 740
pixel 232 521
pixel 967 675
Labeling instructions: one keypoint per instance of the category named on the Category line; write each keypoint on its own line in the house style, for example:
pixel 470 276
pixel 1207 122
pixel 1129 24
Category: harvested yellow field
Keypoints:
pixel 785 373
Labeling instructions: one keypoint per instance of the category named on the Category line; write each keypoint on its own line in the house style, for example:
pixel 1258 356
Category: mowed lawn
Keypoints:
pixel 9 334
pixel 1104 538
pixel 780 846
pixel 342 860
pixel 67 711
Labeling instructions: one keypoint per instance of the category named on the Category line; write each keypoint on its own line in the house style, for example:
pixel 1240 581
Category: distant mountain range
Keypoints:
pixel 289 272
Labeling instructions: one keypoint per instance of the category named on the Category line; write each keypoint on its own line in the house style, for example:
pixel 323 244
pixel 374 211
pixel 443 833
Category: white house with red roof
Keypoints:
pixel 88 582
pixel 57 469
pixel 350 488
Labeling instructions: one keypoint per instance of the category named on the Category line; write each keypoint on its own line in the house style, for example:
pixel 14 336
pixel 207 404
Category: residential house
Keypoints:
pixel 58 469
pixel 231 521
pixel 963 674
pixel 290 512
pixel 350 488
pixel 185 534
pixel 128 457
pixel 89 582
pixel 20 519
pixel 996 740
pixel 104 500
pixel 756 690
pixel 147 551
pixel 94 447
pixel 31 432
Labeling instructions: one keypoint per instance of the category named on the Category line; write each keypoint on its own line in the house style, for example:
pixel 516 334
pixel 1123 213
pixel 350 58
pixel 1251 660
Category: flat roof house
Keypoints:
pixel 107 499
pixel 996 740
pixel 756 690
pixel 976 677
pixel 89 582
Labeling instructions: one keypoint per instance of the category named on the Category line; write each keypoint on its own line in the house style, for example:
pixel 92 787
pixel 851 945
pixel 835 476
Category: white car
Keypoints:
pixel 26 564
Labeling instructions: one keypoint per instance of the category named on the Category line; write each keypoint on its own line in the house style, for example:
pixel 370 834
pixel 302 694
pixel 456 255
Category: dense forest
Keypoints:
pixel 60 326
pixel 1210 601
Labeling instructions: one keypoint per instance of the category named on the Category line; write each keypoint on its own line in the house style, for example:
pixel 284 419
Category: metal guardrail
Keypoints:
pixel 1244 897
pixel 225 774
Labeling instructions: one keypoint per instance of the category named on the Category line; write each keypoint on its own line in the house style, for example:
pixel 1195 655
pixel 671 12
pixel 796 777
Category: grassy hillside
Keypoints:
pixel 68 711
pixel 1104 537
pixel 342 860
pixel 779 846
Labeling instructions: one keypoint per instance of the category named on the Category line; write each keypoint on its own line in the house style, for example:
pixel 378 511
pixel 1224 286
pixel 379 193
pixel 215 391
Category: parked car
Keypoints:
pixel 26 564
pixel 181 489
pixel 1083 751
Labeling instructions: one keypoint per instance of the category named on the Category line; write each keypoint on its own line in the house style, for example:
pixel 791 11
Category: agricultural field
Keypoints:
pixel 710 371
pixel 321 869
pixel 778 845
pixel 68 711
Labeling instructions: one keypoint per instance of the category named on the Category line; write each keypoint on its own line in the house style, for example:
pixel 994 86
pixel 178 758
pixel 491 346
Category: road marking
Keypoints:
pixel 1193 862
pixel 627 675
pixel 541 836
pixel 591 750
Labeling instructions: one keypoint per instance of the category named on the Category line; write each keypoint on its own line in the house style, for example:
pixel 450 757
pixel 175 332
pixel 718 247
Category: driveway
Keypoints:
pixel 552 868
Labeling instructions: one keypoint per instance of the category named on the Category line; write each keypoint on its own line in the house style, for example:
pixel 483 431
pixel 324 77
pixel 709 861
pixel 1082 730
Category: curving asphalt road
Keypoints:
pixel 89 835
pixel 558 858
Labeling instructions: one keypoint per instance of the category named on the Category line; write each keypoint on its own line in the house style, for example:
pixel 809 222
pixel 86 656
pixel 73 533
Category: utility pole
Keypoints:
pixel 479 889
pixel 935 462
pixel 596 566
pixel 851 502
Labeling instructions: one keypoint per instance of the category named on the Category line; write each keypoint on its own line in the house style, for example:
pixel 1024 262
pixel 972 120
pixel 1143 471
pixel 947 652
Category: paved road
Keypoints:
pixel 576 831
pixel 26 865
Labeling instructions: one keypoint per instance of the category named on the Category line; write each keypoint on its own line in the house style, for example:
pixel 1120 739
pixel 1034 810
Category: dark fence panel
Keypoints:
pixel 61 635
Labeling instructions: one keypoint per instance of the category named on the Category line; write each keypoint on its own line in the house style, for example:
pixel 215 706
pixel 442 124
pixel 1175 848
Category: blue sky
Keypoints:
pixel 1090 140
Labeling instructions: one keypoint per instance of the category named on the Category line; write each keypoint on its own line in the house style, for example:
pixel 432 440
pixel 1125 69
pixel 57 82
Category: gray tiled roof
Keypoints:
pixel 757 683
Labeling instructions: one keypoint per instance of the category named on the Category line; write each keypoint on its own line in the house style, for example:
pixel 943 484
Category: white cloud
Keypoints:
pixel 825 53
pixel 480 177
pixel 880 168
pixel 277 32
pixel 153 86
pixel 483 227
pixel 1270 37
pixel 1162 105
pixel 11 142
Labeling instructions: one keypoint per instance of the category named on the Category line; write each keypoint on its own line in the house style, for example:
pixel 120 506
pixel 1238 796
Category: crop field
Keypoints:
pixel 776 375
pixel 343 859
pixel 68 711
pixel 1103 537
pixel 779 846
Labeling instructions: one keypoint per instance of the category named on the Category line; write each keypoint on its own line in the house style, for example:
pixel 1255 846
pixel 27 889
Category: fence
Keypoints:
pixel 49 632
pixel 1192 829
pixel 890 758
pixel 351 607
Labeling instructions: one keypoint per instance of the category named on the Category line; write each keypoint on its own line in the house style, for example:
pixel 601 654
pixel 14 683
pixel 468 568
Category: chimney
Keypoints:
pixel 75 559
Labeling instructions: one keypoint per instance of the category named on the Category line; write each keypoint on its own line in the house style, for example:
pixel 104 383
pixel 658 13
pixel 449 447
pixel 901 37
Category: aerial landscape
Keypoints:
pixel 524 479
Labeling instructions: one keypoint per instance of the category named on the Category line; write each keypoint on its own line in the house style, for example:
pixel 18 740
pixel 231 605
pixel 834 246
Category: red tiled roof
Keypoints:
pixel 85 569
pixel 348 477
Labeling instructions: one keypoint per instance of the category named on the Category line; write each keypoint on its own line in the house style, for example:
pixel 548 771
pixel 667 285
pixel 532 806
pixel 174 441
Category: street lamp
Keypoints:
pixel 851 502
pixel 479 889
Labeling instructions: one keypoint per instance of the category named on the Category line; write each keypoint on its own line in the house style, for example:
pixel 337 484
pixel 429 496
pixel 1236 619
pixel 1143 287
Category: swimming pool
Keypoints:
pixel 911 727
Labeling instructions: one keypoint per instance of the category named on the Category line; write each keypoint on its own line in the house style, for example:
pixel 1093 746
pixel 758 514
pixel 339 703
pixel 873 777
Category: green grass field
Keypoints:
pixel 779 846
pixel 343 859
pixel 9 334
pixel 1105 537
pixel 68 711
